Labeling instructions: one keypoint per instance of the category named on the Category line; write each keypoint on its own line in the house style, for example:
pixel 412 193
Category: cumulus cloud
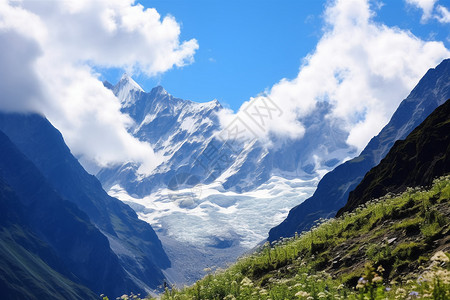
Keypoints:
pixel 431 10
pixel 18 81
pixel 48 51
pixel 427 7
pixel 362 68
pixel 443 14
pixel 114 33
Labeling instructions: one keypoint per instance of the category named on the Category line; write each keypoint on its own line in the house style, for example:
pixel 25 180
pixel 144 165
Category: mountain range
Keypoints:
pixel 190 206
pixel 181 131
pixel 63 236
pixel 201 181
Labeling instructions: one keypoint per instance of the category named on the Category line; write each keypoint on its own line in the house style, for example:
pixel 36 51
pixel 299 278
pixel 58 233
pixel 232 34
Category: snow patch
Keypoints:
pixel 206 213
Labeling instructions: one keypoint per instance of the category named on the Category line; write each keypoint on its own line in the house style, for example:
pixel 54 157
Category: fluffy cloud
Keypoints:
pixel 431 10
pixel 426 5
pixel 443 14
pixel 113 33
pixel 48 49
pixel 364 69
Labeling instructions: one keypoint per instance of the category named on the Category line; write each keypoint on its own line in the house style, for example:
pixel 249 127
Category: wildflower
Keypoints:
pixel 302 294
pixel 377 279
pixel 380 269
pixel 443 275
pixel 388 289
pixel 420 279
pixel 360 285
pixel 414 294
pixel 321 295
pixel 440 256
pixel 246 282
pixel 400 291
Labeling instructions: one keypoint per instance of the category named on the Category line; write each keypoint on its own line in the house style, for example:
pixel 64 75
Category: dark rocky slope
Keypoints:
pixel 134 242
pixel 415 161
pixel 46 239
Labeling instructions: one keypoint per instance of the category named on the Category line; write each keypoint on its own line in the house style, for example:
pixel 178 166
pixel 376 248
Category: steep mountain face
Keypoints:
pixel 333 189
pixel 28 265
pixel 415 161
pixel 214 199
pixel 176 129
pixel 181 131
pixel 45 235
pixel 134 244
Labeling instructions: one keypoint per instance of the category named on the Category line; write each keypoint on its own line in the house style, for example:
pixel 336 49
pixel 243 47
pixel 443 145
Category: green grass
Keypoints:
pixel 382 250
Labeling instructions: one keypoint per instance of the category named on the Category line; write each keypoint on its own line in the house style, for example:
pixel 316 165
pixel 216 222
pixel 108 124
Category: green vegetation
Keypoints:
pixel 391 248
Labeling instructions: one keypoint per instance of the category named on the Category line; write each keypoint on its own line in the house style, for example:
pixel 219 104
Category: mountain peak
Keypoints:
pixel 125 88
pixel 158 90
pixel 127 81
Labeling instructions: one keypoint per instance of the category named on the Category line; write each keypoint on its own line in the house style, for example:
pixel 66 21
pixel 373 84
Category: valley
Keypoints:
pixel 224 150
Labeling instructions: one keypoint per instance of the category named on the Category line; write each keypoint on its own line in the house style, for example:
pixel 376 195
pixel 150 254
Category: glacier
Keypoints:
pixel 208 215
pixel 212 197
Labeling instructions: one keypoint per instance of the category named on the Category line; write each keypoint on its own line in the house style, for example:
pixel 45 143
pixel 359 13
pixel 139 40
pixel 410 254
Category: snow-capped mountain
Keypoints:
pixel 186 133
pixel 209 190
pixel 126 90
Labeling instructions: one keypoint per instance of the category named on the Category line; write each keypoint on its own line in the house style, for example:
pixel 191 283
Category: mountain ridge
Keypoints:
pixel 133 241
pixel 64 236
pixel 333 189
pixel 181 131
pixel 414 161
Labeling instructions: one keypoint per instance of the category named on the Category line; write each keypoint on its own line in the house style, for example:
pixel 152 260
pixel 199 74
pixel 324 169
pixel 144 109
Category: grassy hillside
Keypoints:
pixel 395 247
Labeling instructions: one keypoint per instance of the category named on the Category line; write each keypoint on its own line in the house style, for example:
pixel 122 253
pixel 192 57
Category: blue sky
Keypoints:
pixel 248 46
pixel 361 56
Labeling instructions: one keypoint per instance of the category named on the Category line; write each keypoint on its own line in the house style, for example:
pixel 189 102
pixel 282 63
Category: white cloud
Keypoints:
pixel 114 33
pixel 364 69
pixel 443 14
pixel 431 10
pixel 48 49
pixel 426 5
